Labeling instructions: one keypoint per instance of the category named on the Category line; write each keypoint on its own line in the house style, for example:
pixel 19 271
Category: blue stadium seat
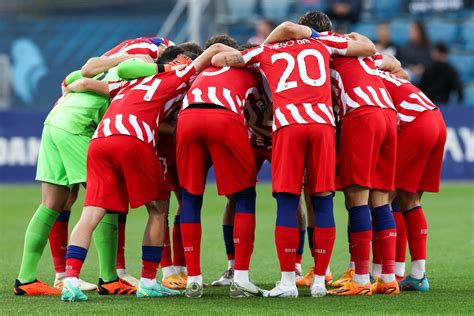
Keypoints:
pixel 442 31
pixel 387 8
pixel 467 34
pixel 309 5
pixel 399 31
pixel 241 8
pixel 469 95
pixel 367 29
pixel 276 9
pixel 464 63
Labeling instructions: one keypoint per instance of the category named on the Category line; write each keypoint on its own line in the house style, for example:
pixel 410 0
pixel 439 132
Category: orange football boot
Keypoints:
pixel 351 288
pixel 117 287
pixel 381 287
pixel 35 287
pixel 308 278
pixel 174 282
pixel 346 277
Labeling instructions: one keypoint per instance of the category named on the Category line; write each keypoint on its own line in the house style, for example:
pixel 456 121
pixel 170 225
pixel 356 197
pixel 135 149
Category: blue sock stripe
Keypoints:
pixel 177 220
pixel 152 253
pixel 287 208
pixel 323 211
pixel 348 233
pixel 245 201
pixel 228 232
pixel 359 219
pixel 383 218
pixel 300 249
pixel 310 231
pixel 191 208
pixel 76 252
pixel 122 218
pixel 64 216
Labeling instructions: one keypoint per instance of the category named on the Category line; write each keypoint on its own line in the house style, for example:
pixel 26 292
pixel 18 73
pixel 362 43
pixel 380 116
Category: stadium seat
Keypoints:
pixel 442 31
pixel 368 29
pixel 467 34
pixel 241 8
pixel 469 95
pixel 386 8
pixel 464 63
pixel 399 30
pixel 276 9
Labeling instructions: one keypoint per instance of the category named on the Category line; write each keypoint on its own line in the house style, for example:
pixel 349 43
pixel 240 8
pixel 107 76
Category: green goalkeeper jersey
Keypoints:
pixel 80 113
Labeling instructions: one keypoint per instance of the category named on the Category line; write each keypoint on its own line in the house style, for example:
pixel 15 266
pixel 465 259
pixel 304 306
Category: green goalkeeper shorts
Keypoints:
pixel 62 157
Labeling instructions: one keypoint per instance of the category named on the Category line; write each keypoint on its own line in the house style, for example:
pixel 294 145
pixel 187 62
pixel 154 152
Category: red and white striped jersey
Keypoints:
pixel 297 72
pixel 408 99
pixel 137 105
pixel 227 87
pixel 355 82
pixel 142 45
pixel 259 118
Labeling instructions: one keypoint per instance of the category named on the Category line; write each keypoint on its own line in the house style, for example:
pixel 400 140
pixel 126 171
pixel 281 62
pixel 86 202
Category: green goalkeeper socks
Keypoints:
pixel 106 239
pixel 36 238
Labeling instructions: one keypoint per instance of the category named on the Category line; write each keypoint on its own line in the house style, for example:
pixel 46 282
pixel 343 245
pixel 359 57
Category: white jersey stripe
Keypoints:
pixel 197 95
pixel 149 133
pixel 423 102
pixel 211 93
pixel 138 131
pixel 412 106
pixel 427 100
pixel 281 118
pixel 406 118
pixel 376 97
pixel 228 97
pixel 107 131
pixel 363 96
pixel 387 98
pixel 252 54
pixel 119 125
pixel 309 110
pixel 324 108
pixel 296 115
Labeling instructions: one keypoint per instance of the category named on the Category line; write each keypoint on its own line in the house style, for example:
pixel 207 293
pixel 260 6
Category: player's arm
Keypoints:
pixel 204 60
pixel 136 68
pixel 388 63
pixel 89 85
pixel 402 74
pixel 359 45
pixel 289 30
pixel 96 65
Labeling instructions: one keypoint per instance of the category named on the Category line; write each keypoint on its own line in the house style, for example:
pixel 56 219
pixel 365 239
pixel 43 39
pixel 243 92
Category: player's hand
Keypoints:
pixel 353 36
pixel 145 58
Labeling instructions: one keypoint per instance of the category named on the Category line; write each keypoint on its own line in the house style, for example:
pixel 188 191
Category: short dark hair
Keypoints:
pixel 192 47
pixel 316 20
pixel 441 47
pixel 191 55
pixel 246 46
pixel 170 54
pixel 222 39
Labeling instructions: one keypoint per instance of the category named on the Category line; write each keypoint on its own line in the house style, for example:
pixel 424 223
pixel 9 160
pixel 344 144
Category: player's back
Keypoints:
pixel 226 87
pixel 297 72
pixel 407 98
pixel 355 82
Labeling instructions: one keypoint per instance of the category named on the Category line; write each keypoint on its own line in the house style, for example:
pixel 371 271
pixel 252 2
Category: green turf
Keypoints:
pixel 450 264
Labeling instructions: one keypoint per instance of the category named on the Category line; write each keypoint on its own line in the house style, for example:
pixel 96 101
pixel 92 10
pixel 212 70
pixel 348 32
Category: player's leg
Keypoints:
pixel 302 234
pixel 288 158
pixel 58 238
pixel 120 264
pixel 235 169
pixel 152 249
pixel 193 162
pixel 400 255
pixel 178 251
pixel 228 234
pixel 55 191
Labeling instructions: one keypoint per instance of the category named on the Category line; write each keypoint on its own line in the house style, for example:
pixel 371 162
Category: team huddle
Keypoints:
pixel 149 118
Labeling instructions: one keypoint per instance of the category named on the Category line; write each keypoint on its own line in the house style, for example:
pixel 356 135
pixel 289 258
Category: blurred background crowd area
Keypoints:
pixel 43 40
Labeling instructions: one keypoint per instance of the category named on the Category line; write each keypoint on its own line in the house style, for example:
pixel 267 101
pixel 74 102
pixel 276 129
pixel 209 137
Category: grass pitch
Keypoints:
pixel 450 265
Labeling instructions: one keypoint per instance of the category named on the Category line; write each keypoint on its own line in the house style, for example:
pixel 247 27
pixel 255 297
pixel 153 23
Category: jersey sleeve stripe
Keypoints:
pixel 253 53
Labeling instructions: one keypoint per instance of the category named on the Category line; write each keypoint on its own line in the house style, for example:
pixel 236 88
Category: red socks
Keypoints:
pixel 417 232
pixel 73 267
pixel 360 250
pixel 386 243
pixel 166 260
pixel 58 241
pixel 191 234
pixel 244 235
pixel 149 269
pixel 400 255
pixel 122 219
pixel 323 244
pixel 178 250
pixel 287 240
